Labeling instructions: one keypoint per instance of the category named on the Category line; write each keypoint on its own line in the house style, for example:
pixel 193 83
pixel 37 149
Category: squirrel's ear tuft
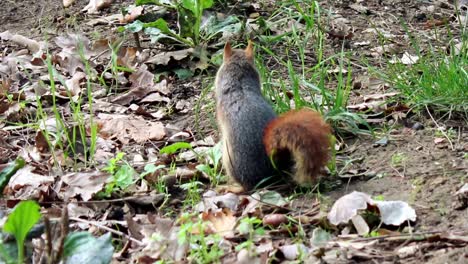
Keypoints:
pixel 249 51
pixel 227 51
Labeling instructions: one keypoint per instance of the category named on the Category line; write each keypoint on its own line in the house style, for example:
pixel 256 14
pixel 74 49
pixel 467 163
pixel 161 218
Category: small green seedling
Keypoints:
pixel 193 192
pixel 122 175
pixel 204 248
pixel 398 159
pixel 150 169
pixel 249 226
pixel 213 157
pixel 449 133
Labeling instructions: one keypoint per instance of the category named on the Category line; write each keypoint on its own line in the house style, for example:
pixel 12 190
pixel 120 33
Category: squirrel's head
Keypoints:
pixel 247 53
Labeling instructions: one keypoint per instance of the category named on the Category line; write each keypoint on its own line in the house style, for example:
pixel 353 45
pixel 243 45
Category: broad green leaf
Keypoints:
pixel 206 3
pixel 228 27
pixel 156 34
pixel 190 5
pixel 161 24
pixel 173 148
pixel 9 171
pixel 82 247
pixel 135 26
pixel 23 217
pixel 186 21
pixel 195 5
pixel 124 176
pixel 204 168
pixel 150 168
pixel 183 74
pixel 271 197
pixel 154 2
pixel 320 237
pixel 159 29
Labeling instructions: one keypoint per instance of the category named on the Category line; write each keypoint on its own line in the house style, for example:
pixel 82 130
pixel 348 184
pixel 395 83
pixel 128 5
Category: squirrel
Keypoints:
pixel 258 144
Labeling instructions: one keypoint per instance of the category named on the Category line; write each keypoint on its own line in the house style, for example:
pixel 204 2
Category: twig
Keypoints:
pixel 94 223
pixel 64 233
pixel 440 128
pixel 47 227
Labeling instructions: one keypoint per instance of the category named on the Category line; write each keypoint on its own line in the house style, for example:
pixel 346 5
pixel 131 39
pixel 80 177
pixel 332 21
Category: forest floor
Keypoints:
pixel 68 116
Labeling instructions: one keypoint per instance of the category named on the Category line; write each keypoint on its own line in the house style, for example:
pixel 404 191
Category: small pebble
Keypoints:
pixel 417 126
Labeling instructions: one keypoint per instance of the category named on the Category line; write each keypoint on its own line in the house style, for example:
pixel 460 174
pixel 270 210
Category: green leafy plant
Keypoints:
pixel 249 226
pixel 398 159
pixel 189 20
pixel 173 148
pixel 204 248
pixel 437 79
pixel 122 175
pixel 193 192
pixel 213 157
pixel 160 184
pixel 23 217
pixel 449 133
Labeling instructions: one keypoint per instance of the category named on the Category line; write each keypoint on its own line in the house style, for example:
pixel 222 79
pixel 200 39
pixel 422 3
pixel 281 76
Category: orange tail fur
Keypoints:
pixel 303 136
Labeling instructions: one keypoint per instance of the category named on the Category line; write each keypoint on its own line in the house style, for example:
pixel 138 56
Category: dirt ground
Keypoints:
pixel 430 173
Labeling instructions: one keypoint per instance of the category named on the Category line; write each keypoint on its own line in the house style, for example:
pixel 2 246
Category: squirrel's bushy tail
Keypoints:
pixel 303 136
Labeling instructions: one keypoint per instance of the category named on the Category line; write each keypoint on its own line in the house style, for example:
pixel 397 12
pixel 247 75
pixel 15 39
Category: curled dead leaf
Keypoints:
pixel 95 5
pixel 391 212
pixel 67 3
pixel 347 207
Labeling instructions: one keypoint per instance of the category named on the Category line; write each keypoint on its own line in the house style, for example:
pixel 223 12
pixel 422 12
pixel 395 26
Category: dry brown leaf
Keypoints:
pixel 34 46
pixel 127 57
pixel 221 222
pixel 155 98
pixel 107 20
pixel 40 142
pixel 73 84
pixel 85 184
pixel 69 58
pixel 406 59
pixel 164 57
pixel 142 77
pixel 133 14
pixel 379 96
pixel 212 201
pixel 375 106
pixel 75 210
pixel 134 95
pixel 126 128
pixel 359 8
pixel 26 177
